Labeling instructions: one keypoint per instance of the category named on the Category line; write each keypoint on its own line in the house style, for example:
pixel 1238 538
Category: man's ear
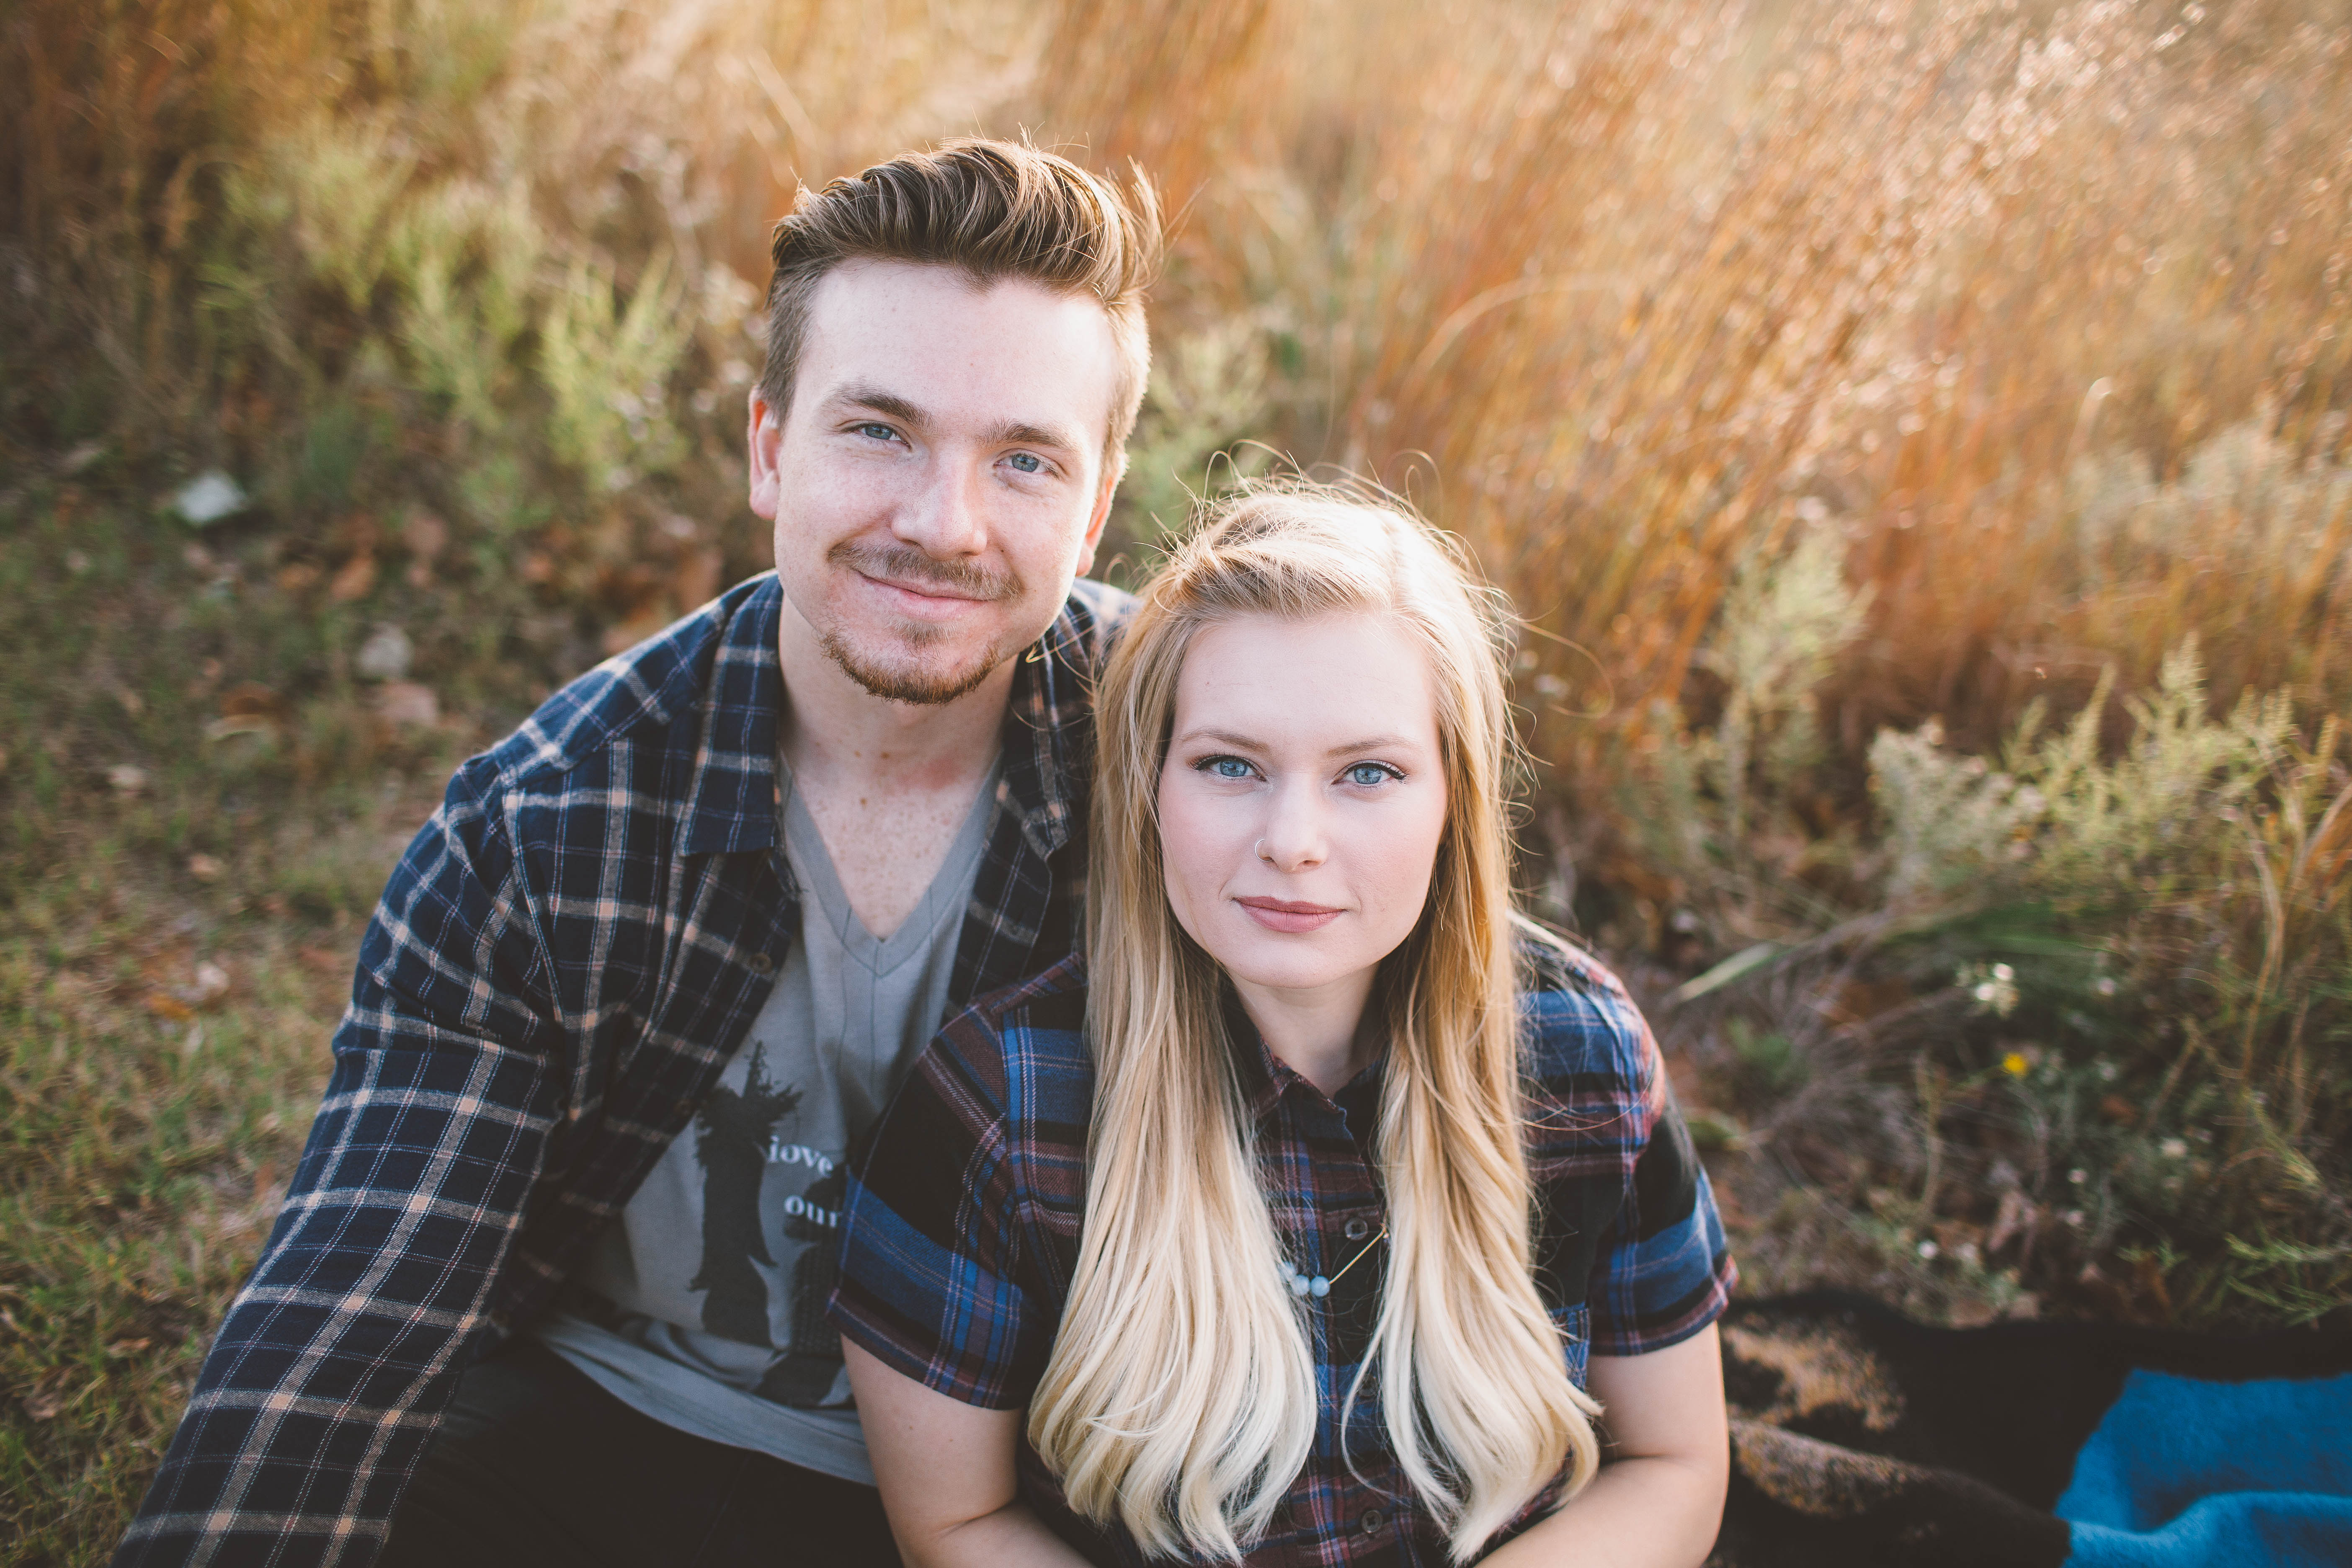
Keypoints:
pixel 1112 474
pixel 763 438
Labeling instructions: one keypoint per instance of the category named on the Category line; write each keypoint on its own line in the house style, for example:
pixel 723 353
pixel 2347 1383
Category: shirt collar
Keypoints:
pixel 1267 1078
pixel 732 794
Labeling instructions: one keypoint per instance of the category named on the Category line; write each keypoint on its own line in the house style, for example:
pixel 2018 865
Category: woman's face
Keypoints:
pixel 1303 797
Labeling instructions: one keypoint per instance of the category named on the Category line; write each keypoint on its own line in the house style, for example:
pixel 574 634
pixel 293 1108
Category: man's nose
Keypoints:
pixel 945 518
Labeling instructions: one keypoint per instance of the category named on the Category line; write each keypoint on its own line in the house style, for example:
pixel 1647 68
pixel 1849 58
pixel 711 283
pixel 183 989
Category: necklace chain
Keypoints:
pixel 1319 1286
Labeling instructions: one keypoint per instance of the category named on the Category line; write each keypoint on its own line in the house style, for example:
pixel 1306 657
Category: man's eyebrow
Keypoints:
pixel 1019 433
pixel 881 402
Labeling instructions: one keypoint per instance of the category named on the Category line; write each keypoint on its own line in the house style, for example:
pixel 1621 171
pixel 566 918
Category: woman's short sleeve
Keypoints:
pixel 932 1262
pixel 1613 1161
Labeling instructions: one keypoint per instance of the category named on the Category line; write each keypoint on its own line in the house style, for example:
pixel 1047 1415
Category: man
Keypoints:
pixel 549 1285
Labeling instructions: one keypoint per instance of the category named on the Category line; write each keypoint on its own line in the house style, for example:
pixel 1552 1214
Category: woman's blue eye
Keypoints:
pixel 1226 768
pixel 1369 774
pixel 1026 462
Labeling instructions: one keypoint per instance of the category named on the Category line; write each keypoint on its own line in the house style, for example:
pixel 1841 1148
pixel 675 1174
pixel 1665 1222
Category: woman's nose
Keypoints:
pixel 1294 837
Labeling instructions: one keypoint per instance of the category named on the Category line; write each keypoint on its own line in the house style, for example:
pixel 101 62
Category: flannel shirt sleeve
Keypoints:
pixel 932 1263
pixel 335 1361
pixel 1665 1269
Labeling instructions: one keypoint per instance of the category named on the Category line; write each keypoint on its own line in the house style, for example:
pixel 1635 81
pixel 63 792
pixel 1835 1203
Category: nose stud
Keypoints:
pixel 1262 854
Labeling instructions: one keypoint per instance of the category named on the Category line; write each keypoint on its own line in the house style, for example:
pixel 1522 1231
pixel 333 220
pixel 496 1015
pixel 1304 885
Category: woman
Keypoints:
pixel 1282 1227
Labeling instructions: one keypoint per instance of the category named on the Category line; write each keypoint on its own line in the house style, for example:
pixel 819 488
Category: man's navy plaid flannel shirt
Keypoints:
pixel 568 954
pixel 963 1226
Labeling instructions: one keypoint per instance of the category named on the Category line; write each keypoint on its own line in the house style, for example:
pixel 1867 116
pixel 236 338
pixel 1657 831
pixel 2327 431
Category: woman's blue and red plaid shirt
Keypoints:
pixel 562 963
pixel 963 1220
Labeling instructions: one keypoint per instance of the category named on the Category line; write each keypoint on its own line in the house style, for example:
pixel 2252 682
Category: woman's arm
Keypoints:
pixel 946 1469
pixel 1658 1499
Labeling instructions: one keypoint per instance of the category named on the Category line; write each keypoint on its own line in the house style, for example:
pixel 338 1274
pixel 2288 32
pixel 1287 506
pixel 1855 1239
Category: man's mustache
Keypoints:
pixel 908 567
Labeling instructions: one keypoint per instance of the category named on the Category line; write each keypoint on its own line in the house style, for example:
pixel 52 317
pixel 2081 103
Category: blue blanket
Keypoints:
pixel 2184 1473
pixel 1861 1439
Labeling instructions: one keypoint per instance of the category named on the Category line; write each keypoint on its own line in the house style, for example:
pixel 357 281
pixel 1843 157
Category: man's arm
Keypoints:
pixel 1658 1499
pixel 336 1360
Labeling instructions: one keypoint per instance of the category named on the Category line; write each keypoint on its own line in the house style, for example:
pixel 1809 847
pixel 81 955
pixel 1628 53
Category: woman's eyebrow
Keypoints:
pixel 1376 744
pixel 1223 738
pixel 1248 743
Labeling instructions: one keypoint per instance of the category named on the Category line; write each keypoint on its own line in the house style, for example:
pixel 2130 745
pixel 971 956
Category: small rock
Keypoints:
pixel 208 498
pixel 127 779
pixel 212 984
pixel 205 867
pixel 386 654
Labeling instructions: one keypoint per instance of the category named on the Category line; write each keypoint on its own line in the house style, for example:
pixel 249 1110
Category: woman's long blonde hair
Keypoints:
pixel 1180 1399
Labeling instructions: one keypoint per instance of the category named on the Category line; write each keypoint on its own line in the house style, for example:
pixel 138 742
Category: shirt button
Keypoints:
pixel 1371 1522
pixel 1358 1228
pixel 761 963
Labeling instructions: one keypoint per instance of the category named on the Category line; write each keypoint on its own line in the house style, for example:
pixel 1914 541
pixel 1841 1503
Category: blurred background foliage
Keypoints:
pixel 1915 434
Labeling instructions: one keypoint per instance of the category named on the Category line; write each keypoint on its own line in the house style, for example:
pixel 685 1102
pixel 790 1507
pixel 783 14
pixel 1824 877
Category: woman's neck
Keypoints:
pixel 1318 1032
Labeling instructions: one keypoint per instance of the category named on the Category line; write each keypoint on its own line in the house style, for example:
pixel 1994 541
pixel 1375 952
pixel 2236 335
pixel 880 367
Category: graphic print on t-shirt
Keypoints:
pixel 804 1373
pixel 702 1305
pixel 733 1132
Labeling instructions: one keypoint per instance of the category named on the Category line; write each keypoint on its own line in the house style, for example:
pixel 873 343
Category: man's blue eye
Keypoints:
pixel 879 432
pixel 1369 774
pixel 1025 461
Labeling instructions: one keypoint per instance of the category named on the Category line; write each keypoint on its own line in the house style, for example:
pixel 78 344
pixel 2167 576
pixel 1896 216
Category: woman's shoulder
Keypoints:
pixel 1022 1049
pixel 1578 1022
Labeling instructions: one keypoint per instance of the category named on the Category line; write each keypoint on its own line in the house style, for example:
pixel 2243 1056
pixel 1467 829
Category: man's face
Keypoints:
pixel 938 480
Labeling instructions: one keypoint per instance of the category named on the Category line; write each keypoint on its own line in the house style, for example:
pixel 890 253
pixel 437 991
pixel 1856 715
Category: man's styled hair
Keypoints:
pixel 995 209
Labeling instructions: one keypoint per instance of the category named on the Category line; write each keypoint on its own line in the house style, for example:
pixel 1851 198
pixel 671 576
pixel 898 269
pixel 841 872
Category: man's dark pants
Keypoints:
pixel 534 1464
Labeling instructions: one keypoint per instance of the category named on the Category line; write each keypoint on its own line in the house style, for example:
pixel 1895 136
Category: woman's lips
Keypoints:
pixel 1282 915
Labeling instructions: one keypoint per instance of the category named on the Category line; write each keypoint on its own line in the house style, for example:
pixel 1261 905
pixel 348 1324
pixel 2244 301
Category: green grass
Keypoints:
pixel 172 959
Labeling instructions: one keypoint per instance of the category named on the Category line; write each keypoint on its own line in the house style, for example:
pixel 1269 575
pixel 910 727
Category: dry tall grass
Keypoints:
pixel 2026 324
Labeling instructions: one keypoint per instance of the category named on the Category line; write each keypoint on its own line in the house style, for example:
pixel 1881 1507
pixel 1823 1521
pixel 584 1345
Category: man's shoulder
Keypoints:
pixel 1095 614
pixel 652 691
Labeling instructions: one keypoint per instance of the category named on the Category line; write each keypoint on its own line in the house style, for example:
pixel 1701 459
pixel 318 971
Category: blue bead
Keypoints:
pixel 1318 1287
pixel 1298 1286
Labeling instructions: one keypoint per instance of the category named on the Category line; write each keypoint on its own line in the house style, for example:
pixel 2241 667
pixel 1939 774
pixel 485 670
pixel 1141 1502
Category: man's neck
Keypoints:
pixel 887 782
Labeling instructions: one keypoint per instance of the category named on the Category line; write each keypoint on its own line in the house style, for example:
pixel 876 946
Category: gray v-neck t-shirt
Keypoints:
pixel 703 1304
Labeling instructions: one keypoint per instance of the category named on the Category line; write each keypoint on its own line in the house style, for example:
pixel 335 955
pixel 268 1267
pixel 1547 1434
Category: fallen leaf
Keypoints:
pixel 164 1005
pixel 248 708
pixel 127 779
pixel 424 534
pixel 205 867
pixel 128 1347
pixel 250 699
pixel 406 702
pixel 353 580
pixel 298 577
pixel 44 1406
